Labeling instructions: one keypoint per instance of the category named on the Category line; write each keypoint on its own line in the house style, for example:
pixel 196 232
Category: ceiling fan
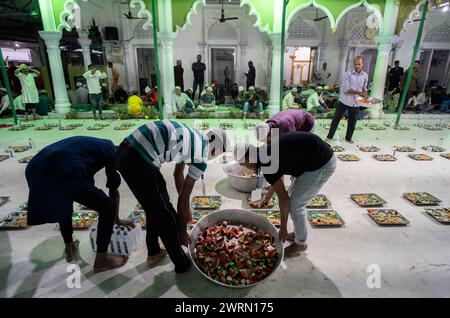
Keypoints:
pixel 222 16
pixel 129 15
pixel 317 16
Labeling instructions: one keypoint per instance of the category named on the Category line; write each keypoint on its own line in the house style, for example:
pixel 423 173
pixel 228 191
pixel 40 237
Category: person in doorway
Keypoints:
pixel 234 91
pixel 252 103
pixel 227 74
pixel 208 101
pixel 412 90
pixel 322 77
pixel 93 77
pixel 354 85
pixel 83 93
pixel 198 68
pixel 286 121
pixel 63 173
pixel 151 96
pixel 140 158
pixel 395 76
pixel 74 98
pixel 120 95
pixel 178 71
pixel 251 75
pixel 182 101
pixel 421 102
pixel 46 103
pixel 30 95
pixel 288 100
pixel 304 156
pixel 115 77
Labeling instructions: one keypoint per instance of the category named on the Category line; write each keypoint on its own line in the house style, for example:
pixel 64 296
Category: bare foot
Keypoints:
pixel 70 250
pixel 152 260
pixel 104 262
pixel 294 249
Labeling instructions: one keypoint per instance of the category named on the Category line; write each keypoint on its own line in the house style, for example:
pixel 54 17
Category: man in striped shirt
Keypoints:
pixel 140 157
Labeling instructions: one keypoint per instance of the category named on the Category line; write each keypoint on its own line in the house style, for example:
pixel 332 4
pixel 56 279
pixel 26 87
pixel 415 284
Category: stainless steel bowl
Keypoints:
pixel 241 217
pixel 241 184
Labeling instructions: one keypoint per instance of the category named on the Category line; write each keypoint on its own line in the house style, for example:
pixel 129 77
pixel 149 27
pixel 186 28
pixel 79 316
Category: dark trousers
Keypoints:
pixel 197 83
pixel 97 200
pixel 351 123
pixel 149 188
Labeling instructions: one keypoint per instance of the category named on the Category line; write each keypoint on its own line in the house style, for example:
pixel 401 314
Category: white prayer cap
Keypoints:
pixel 79 84
pixel 251 88
pixel 261 131
pixel 177 88
pixel 294 89
pixel 209 89
pixel 241 88
pixel 320 87
pixel 148 89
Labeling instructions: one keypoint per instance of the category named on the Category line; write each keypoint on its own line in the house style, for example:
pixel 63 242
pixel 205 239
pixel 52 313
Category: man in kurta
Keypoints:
pixel 93 77
pixel 30 94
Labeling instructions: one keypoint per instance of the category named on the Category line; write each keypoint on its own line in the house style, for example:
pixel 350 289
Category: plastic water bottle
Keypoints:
pixel 30 143
pixel 117 241
pixel 394 150
pixel 413 143
pixel 126 243
pixel 93 238
pixel 429 148
pixel 11 153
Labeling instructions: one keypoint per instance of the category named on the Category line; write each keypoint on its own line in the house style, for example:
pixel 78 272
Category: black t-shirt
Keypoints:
pixel 298 152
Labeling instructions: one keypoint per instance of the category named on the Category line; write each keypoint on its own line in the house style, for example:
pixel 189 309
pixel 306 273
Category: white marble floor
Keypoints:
pixel 413 261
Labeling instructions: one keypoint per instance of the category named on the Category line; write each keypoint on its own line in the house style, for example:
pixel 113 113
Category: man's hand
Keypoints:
pixel 185 238
pixel 128 224
pixel 283 234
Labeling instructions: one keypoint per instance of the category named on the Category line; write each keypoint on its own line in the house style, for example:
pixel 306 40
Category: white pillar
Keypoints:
pixel 62 104
pixel 321 57
pixel 240 77
pixel 274 101
pixel 343 50
pixel 130 66
pixel 426 71
pixel 167 79
pixel 85 44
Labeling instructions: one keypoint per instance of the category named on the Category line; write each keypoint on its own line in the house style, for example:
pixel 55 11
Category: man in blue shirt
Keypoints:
pixel 354 86
pixel 140 157
pixel 63 173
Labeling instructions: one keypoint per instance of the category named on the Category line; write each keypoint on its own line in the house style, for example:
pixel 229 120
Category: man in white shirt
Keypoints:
pixel 93 77
pixel 30 94
pixel 354 86
pixel 288 100
pixel 323 76
pixel 182 101
pixel 83 93
pixel 315 102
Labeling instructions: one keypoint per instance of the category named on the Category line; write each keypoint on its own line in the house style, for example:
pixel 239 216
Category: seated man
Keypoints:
pixel 4 103
pixel 120 95
pixel 207 101
pixel 445 104
pixel 252 102
pixel 422 103
pixel 438 97
pixel 182 101
pixel 288 100
pixel 151 97
pixel 313 104
pixel 240 98
pixel 46 103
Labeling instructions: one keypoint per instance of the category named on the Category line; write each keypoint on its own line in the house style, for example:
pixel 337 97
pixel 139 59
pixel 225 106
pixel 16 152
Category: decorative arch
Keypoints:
pixel 222 31
pixel 314 4
pixel 254 12
pixel 140 32
pixel 439 33
pixel 142 13
pixel 192 11
pixel 301 29
pixel 371 8
pixel 66 17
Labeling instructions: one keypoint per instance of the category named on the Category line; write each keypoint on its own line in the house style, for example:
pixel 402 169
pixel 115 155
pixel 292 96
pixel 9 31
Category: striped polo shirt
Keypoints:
pixel 165 141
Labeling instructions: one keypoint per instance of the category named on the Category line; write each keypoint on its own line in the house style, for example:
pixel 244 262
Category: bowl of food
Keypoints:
pixel 241 178
pixel 368 101
pixel 235 248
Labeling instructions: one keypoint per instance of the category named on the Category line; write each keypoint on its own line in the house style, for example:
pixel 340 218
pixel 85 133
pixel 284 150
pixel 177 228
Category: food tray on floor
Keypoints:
pixel 337 148
pixel 420 157
pixel 19 148
pixel 442 215
pixel 401 128
pixel 320 201
pixel 369 149
pixel 385 157
pixel 204 126
pixel 17 128
pixel 95 127
pixel 197 215
pixel 433 128
pixel 405 149
pixel 4 200
pixel 82 220
pixel 207 202
pixel 434 148
pixel 377 128
pixel 24 206
pixel 421 198
pixel 14 220
pixel 3 157
pixel 44 128
pixel 273 216
pixel 26 159
pixel 387 217
pixel 226 126
pixel 68 127
pixel 325 218
pixel 138 217
pixel 348 157
pixel 273 203
pixel 445 155
pixel 368 199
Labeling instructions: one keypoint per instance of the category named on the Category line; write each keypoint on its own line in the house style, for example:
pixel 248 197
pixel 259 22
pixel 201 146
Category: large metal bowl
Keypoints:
pixel 241 184
pixel 239 216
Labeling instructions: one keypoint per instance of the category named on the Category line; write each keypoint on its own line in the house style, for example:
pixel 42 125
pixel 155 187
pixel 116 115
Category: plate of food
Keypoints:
pixel 385 157
pixel 273 216
pixel 197 216
pixel 337 148
pixel 83 220
pixel 369 148
pixel 405 149
pixel 376 127
pixel 95 127
pixel 26 159
pixel 19 148
pixel 138 217
pixel 421 198
pixel 432 128
pixel 3 157
pixel 226 126
pixel 255 204
pixel 368 199
pixel 320 201
pixel 348 157
pixel 420 157
pixel 235 248
pixel 441 215
pixel 14 220
pixel 207 202
pixel 433 148
pixel 121 127
pixel 6 125
pixel 67 127
pixel 325 218
pixel 203 126
pixel 28 125
pixel 401 128
pixel 46 127
pixel 139 207
pixel 445 155
pixel 387 217
pixel 367 101
pixel 17 128
pixel 4 200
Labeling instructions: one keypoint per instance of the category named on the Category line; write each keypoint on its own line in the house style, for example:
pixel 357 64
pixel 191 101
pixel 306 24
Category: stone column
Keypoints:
pixel 62 104
pixel 274 101
pixel 380 73
pixel 130 66
pixel 167 78
pixel 243 64
pixel 85 44
pixel 321 57
pixel 343 50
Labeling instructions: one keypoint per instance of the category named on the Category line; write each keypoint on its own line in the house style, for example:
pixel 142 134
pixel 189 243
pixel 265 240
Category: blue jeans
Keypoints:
pixel 96 101
pixel 247 106
pixel 444 106
pixel 304 188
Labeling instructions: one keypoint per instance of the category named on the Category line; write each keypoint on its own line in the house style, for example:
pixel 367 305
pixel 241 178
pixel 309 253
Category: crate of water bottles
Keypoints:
pixel 123 241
